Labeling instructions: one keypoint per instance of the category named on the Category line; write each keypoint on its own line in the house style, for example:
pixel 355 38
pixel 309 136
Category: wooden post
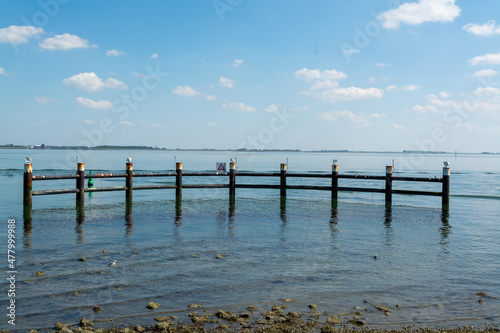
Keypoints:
pixel 80 181
pixel 178 179
pixel 388 185
pixel 335 181
pixel 232 178
pixel 283 180
pixel 446 187
pixel 27 190
pixel 128 180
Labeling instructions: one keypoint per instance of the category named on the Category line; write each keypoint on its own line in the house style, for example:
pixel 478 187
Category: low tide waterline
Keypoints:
pixel 427 265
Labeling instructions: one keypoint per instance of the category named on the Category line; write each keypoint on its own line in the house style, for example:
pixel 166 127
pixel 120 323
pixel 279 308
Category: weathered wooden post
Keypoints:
pixel 446 186
pixel 232 178
pixel 27 189
pixel 388 185
pixel 80 181
pixel 128 180
pixel 283 180
pixel 178 179
pixel 335 180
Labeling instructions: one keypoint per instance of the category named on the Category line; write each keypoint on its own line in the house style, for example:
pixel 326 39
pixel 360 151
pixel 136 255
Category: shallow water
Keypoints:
pixel 430 262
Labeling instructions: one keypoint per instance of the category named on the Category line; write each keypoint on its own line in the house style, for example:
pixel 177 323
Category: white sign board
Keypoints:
pixel 220 166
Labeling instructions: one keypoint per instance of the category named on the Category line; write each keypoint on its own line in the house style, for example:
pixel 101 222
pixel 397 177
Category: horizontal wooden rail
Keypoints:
pixel 334 176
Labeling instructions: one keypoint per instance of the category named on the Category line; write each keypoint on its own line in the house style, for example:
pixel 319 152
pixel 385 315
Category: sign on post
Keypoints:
pixel 220 166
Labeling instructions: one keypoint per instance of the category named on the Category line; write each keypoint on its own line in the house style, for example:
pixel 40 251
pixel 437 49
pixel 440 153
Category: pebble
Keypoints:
pixel 97 308
pixel 312 306
pixel 218 256
pixel 39 273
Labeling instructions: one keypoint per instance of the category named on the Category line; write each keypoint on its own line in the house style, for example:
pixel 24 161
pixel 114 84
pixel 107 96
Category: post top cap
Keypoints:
pixel 28 159
pixel 129 159
pixel 446 164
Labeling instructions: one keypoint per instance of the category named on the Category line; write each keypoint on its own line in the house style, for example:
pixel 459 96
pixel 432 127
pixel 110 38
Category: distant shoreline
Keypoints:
pixel 242 150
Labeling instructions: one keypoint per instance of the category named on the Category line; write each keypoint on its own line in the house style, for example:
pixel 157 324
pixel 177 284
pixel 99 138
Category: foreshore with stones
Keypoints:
pixel 276 319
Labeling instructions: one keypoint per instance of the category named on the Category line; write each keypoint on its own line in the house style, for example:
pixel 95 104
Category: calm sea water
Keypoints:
pixel 430 262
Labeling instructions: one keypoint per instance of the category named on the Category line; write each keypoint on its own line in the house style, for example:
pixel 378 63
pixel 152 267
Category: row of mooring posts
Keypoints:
pixel 283 175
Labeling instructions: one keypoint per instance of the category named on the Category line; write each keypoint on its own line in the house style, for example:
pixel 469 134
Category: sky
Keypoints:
pixel 257 74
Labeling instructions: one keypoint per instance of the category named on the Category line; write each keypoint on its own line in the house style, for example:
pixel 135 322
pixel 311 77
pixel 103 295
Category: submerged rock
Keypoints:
pixel 152 305
pixel 39 273
pixel 97 308
pixel 194 306
pixel 312 306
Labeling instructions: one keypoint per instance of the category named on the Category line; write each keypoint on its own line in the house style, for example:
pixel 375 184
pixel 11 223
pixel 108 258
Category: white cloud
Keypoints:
pixel 188 91
pixel 16 34
pixel 400 128
pixel 273 108
pixel 157 125
pixel 414 13
pixel 237 62
pixel 315 74
pixel 489 59
pixel 445 94
pixel 487 29
pixel 485 72
pixel 378 115
pixel 2 71
pixel 346 94
pixel 419 109
pixel 381 64
pixel 91 104
pixel 126 123
pixel 344 116
pixel 91 82
pixel 411 87
pixel 212 124
pixel 114 53
pixel 89 122
pixel 483 100
pixel 323 84
pixel 45 100
pixel 185 91
pixel 64 42
pixel 225 82
pixel 485 91
pixel 154 55
pixel 240 107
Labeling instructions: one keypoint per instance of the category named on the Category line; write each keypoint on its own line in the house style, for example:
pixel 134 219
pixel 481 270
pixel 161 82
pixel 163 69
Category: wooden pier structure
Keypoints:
pixel 231 184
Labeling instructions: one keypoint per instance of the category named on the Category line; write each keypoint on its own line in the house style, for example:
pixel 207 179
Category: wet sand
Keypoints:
pixel 276 319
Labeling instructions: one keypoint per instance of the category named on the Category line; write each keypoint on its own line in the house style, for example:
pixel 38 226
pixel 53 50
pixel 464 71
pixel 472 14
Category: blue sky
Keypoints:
pixel 358 75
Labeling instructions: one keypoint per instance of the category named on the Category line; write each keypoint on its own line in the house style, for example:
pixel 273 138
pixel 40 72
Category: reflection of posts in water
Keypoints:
pixel 283 209
pixel 388 217
pixel 334 218
pixel 232 202
pixel 388 225
pixel 27 228
pixel 80 218
pixel 178 210
pixel 129 223
pixel 445 229
pixel 283 219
